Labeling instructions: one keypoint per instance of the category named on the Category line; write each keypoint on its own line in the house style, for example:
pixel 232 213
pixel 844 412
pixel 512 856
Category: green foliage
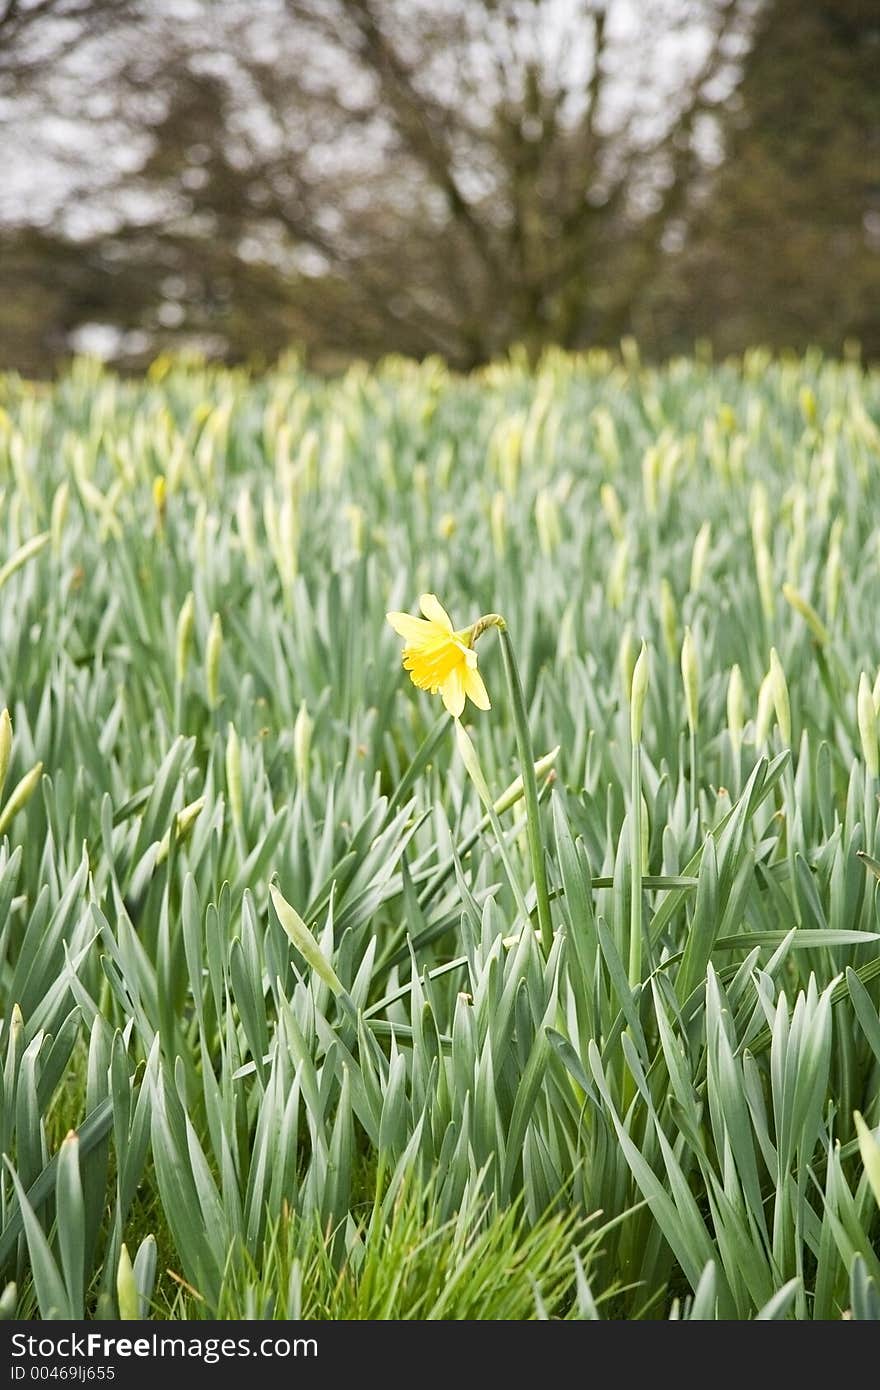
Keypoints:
pixel 395 1076
pixel 401 1260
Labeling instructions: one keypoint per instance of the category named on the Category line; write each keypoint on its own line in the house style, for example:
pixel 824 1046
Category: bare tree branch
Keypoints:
pixel 458 178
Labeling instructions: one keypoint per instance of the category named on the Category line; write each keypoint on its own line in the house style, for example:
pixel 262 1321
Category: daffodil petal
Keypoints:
pixel 410 628
pixel 475 689
pixel 435 612
pixel 452 692
pixel 468 653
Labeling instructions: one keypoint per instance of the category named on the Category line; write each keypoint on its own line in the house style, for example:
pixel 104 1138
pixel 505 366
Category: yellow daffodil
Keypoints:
pixel 438 658
pixel 160 498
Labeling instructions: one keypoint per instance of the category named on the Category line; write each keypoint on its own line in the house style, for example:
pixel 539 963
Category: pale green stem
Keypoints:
pixel 498 831
pixel 635 906
pixel 694 784
pixel 530 785
pixel 736 767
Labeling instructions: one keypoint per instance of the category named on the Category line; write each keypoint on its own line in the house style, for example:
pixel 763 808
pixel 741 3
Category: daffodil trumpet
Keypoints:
pixel 442 660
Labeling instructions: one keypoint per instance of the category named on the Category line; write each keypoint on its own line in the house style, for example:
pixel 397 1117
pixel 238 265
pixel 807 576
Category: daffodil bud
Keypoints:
pixel 288 542
pixel 185 622
pixel 188 816
pixel 212 661
pixel 613 510
pixel 498 523
pixel 626 661
pixel 797 543
pixel 271 526
pixel 629 351
pixel 756 411
pixel 807 612
pixel 22 555
pixel 160 498
pixel 356 523
pixel 283 438
pixel 735 708
pixel 766 582
pixel 651 478
pixel 210 444
pixel 736 457
pixel 92 496
pixel 126 1288
pixel 472 763
pixel 640 680
pixel 869 1150
pixel 807 402
pixel 512 794
pixel 547 521
pixel 606 435
pixel 566 645
pixel 618 574
pixel 443 465
pixel 177 456
pixel 5 745
pixel 781 704
pixel 385 463
pixel 669 619
pixel 510 452
pixel 534 423
pixel 20 796
pixel 699 554
pixel 233 774
pixel 247 530
pixel 764 711
pixel 200 534
pixel 302 743
pixel 183 824
pixel 334 455
pixel 307 459
pixel 110 523
pixel 690 675
pixel 58 516
pixel 833 577
pixel 867 718
pixel 305 942
pixel 447 526
pixel 759 511
pixel 16 1026
pixel 826 489
pixel 727 418
pixel 670 458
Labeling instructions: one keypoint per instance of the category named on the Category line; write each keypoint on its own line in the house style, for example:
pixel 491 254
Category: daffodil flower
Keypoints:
pixel 443 660
pixel 439 658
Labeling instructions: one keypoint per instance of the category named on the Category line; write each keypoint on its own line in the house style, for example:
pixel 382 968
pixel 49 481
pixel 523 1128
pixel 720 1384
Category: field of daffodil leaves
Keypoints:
pixel 513 955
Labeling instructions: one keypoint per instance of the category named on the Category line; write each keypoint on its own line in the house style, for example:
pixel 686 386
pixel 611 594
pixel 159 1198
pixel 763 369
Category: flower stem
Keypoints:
pixel 695 793
pixel 635 855
pixel 530 789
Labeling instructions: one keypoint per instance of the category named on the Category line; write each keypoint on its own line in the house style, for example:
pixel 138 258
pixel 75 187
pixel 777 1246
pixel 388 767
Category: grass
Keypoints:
pixel 419 1081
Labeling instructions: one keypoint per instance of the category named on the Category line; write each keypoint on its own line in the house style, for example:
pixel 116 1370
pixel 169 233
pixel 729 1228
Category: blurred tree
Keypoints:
pixel 416 175
pixel 785 249
pixel 362 174
pixel 517 161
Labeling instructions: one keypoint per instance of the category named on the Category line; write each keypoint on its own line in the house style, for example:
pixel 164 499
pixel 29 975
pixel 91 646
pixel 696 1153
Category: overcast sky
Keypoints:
pixel 64 146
